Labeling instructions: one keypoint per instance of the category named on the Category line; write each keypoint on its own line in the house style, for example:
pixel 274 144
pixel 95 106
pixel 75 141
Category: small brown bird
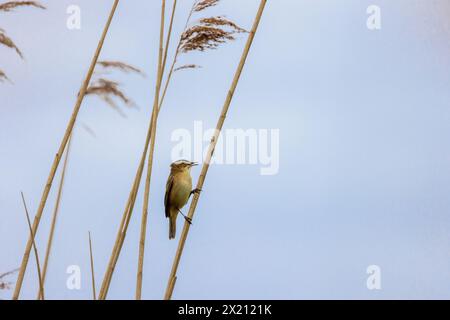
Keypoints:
pixel 178 192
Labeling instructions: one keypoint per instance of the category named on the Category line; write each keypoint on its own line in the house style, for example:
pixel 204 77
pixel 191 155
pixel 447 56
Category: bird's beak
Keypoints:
pixel 194 164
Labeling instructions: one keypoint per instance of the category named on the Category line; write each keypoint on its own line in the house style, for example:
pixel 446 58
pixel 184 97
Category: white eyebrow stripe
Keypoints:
pixel 181 162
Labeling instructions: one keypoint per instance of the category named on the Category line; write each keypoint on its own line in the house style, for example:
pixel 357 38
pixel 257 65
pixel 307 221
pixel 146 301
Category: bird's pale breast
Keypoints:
pixel 181 189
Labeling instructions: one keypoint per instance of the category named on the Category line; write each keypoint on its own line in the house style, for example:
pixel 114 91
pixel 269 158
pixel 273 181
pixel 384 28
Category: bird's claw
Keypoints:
pixel 196 191
pixel 188 220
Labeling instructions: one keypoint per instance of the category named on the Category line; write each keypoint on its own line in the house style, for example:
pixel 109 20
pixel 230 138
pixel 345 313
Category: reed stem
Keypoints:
pixel 120 238
pixel 125 220
pixel 58 156
pixel 161 66
pixel 55 213
pixel 92 267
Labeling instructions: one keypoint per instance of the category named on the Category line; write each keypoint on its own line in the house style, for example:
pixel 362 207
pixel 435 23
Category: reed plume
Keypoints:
pixel 3 77
pixel 61 149
pixel 173 274
pixel 55 214
pixel 207 34
pixel 121 66
pixel 205 4
pixel 4 39
pixel 187 66
pixel 6 285
pixel 8 42
pixel 107 89
pixel 11 5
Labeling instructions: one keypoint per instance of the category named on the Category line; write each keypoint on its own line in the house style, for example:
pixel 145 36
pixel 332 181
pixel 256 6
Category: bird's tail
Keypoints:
pixel 172 225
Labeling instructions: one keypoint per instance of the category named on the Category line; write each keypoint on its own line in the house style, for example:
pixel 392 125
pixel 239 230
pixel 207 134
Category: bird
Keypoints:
pixel 178 192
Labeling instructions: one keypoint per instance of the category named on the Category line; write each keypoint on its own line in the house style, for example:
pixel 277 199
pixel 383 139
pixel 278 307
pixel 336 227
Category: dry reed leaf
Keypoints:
pixel 6 41
pixel 11 5
pixel 204 4
pixel 222 21
pixel 187 66
pixel 121 66
pixel 201 38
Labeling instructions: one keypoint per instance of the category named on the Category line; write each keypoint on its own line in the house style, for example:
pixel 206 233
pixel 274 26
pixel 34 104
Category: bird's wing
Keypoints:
pixel 169 186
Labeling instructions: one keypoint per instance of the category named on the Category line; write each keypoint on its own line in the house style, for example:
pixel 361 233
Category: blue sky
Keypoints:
pixel 364 159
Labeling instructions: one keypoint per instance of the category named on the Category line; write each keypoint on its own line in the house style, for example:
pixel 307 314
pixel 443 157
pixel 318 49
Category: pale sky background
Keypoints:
pixel 364 151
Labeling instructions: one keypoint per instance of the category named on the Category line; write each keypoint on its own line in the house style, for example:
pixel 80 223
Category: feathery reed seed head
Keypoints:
pixel 222 21
pixel 208 33
pixel 187 66
pixel 4 39
pixel 121 66
pixel 106 89
pixel 204 4
pixel 7 41
pixel 202 37
pixel 11 5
